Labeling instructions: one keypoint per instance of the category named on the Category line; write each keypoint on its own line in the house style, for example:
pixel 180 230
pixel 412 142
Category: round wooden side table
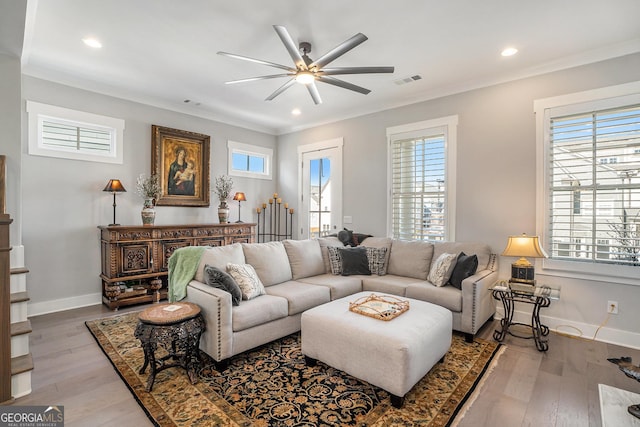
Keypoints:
pixel 177 328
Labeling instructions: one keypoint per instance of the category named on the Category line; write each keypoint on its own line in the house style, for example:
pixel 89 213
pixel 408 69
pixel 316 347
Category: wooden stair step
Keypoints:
pixel 17 297
pixel 21 364
pixel 19 270
pixel 21 328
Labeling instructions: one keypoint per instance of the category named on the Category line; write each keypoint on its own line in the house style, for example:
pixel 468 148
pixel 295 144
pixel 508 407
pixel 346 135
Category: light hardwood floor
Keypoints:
pixel 527 387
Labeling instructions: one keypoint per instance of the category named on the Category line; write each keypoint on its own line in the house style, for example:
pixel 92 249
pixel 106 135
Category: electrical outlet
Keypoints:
pixel 612 307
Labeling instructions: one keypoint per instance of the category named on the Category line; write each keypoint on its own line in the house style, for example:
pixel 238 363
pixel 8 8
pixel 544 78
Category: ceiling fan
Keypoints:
pixel 308 71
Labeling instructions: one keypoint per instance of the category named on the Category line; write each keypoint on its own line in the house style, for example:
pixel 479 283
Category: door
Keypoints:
pixel 321 192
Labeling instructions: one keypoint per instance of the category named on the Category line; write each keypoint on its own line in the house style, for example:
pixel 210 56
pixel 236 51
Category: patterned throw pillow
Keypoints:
pixel 377 258
pixel 442 268
pixel 217 278
pixel 335 259
pixel 247 279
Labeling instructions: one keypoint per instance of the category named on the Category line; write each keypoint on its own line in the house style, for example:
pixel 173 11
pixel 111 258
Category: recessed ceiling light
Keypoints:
pixel 92 42
pixel 296 112
pixel 509 51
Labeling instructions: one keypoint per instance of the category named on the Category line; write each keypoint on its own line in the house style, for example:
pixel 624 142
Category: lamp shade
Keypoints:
pixel 239 197
pixel 114 186
pixel 524 246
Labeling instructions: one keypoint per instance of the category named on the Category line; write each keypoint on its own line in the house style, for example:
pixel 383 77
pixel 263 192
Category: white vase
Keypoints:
pixel 223 212
pixel 148 212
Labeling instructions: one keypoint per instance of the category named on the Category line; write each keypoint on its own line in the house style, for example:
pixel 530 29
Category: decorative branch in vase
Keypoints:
pixel 222 187
pixel 149 189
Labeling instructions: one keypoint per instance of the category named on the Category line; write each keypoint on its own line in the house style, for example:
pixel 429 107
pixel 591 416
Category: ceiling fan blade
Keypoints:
pixel 281 89
pixel 313 91
pixel 339 50
pixel 257 61
pixel 354 70
pixel 253 79
pixel 291 47
pixel 342 84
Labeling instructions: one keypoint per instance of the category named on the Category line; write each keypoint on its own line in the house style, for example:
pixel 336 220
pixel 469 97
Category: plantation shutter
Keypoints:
pixel 60 135
pixel 418 186
pixel 594 177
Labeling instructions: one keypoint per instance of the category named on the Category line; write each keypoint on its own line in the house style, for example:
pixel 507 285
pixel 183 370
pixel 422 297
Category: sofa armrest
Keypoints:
pixel 477 301
pixel 216 307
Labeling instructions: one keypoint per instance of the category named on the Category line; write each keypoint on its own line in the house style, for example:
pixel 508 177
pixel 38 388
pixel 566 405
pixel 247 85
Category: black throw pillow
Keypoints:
pixel 354 261
pixel 466 266
pixel 346 237
pixel 217 278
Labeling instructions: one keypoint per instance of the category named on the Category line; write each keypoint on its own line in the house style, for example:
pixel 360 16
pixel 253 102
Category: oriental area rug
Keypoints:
pixel 272 386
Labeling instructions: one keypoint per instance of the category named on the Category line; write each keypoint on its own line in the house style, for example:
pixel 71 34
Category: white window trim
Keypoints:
pixel 251 150
pixel 38 111
pixel 604 97
pixel 450 123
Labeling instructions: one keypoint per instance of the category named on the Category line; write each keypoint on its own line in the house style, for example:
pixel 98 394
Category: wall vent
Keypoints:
pixel 408 79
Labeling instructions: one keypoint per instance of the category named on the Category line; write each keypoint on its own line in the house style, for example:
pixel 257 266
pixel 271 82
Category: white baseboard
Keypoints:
pixel 62 304
pixel 578 329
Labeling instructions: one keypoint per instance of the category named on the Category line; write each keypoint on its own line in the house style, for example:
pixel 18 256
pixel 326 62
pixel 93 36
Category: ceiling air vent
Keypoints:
pixel 408 79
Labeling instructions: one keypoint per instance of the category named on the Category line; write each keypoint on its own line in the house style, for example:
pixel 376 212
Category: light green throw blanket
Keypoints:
pixel 183 264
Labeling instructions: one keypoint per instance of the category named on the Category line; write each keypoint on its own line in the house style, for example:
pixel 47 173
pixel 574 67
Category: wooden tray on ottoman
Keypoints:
pixel 379 307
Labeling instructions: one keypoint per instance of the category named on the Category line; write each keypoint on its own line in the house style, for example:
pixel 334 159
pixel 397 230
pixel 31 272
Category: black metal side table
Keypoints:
pixel 539 296
pixel 177 328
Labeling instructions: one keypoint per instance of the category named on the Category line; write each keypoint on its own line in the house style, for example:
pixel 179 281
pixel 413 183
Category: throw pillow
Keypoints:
pixel 466 266
pixel 354 261
pixel 247 279
pixel 335 260
pixel 377 260
pixel 442 268
pixel 346 237
pixel 217 278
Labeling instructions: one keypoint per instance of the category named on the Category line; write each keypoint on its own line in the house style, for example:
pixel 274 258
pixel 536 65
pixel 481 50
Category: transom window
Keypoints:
pixel 249 160
pixel 64 133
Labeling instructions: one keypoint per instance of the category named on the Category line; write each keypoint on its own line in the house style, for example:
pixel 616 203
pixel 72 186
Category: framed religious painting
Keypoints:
pixel 180 159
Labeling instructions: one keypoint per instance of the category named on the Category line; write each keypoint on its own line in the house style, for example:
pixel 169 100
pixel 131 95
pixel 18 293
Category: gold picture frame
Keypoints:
pixel 180 159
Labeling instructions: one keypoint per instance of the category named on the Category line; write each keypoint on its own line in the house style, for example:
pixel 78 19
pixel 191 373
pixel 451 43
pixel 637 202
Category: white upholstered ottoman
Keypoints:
pixel 393 355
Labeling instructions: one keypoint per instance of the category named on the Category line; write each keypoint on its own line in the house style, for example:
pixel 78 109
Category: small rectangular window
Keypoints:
pixel 249 160
pixel 70 134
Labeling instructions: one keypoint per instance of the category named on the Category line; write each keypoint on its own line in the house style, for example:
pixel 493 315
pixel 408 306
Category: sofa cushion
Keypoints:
pixel 247 279
pixel 258 311
pixel 305 258
pixel 410 258
pixel 213 276
pixel 300 296
pixel 219 257
pixel 482 251
pixel 354 261
pixel 442 268
pixel 340 286
pixel 325 242
pixel 270 261
pixel 446 296
pixel 389 284
pixel 466 266
pixel 379 242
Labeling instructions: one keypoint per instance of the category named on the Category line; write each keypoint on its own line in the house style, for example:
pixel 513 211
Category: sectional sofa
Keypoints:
pixel 297 275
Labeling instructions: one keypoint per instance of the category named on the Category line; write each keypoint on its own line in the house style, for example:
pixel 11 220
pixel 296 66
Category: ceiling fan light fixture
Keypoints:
pixel 305 77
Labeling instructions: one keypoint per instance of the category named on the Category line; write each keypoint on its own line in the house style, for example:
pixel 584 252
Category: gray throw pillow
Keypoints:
pixel 466 266
pixel 217 278
pixel 354 261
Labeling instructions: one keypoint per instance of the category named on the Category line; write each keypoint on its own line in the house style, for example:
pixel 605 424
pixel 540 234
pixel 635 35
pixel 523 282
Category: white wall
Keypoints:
pixel 63 201
pixel 496 179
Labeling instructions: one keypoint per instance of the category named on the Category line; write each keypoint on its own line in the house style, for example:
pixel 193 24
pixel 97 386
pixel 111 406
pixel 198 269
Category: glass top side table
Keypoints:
pixel 539 296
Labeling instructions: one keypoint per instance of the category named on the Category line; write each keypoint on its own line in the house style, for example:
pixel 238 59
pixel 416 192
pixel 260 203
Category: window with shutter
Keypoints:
pixel 60 132
pixel 421 159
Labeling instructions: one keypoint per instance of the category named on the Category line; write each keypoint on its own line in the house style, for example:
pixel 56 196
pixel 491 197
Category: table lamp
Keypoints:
pixel 114 186
pixel 240 198
pixel 522 271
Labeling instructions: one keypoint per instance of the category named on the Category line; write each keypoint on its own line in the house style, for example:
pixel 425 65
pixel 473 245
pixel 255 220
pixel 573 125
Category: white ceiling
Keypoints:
pixel 162 52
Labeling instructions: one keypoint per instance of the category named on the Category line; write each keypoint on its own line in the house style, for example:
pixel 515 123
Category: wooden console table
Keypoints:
pixel 139 256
